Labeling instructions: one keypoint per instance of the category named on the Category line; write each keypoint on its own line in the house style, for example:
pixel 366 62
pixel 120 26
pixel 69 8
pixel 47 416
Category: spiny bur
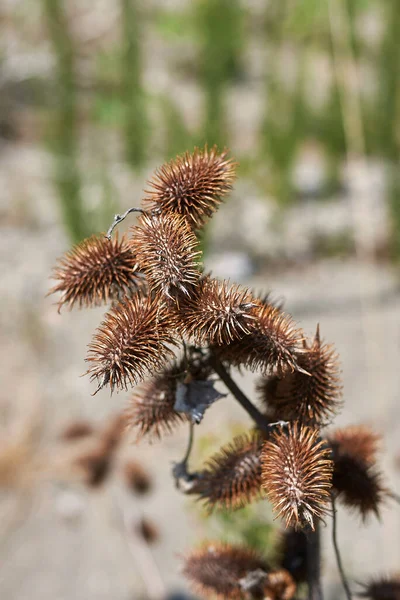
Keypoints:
pixel 232 477
pixel 312 395
pixel 215 569
pixel 192 185
pixel 297 474
pixel 166 250
pixel 133 340
pixel 96 271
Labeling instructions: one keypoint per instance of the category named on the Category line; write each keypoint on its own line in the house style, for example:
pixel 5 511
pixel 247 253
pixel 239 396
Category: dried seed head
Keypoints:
pixel 165 248
pixel 148 531
pixel 131 341
pixel 95 465
pixel 216 313
pixel 273 346
pixel 279 585
pixel 192 185
pixel 232 477
pixel 297 474
pixel 77 430
pixel 96 271
pixel 136 477
pixel 215 570
pixel 357 441
pixel 382 588
pixel 356 480
pixel 312 397
pixel 151 409
pixel 292 553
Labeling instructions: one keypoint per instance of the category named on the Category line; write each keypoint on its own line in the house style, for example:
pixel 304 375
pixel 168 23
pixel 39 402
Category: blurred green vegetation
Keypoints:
pixel 210 44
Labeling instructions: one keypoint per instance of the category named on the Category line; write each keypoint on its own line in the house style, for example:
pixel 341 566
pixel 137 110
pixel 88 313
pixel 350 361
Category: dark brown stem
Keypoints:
pixel 314 564
pixel 235 390
pixel 337 552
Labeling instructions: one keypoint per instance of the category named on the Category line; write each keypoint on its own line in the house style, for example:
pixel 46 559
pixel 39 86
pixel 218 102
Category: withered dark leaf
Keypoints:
pixel 195 397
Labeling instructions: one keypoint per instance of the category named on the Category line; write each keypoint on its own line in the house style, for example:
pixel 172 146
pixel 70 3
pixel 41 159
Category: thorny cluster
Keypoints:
pixel 172 331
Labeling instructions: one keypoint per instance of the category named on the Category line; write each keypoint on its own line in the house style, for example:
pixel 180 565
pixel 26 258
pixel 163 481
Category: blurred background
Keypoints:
pixel 93 97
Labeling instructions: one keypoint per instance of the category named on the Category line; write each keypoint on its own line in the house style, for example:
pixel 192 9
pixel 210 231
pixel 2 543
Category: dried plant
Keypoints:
pixel 382 588
pixel 151 408
pixel 356 479
pixel 312 395
pixel 162 303
pixel 132 341
pixel 96 271
pixel 192 185
pixel 165 248
pixel 137 478
pixel 216 570
pixel 273 346
pixel 77 430
pixel 297 475
pixel 232 477
pixel 216 313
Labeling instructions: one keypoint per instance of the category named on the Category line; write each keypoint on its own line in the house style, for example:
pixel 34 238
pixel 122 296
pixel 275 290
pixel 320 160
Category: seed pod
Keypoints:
pixel 96 271
pixel 273 346
pixel 192 185
pixel 310 396
pixel 297 474
pixel 215 570
pixel 151 409
pixel 216 313
pixel 132 340
pixel 232 477
pixel 356 479
pixel 165 248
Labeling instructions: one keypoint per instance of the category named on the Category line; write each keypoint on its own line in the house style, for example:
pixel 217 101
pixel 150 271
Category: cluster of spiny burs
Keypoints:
pixel 173 330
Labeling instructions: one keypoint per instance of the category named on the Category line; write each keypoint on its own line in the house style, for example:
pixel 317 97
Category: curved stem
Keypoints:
pixel 235 390
pixel 337 551
pixel 119 218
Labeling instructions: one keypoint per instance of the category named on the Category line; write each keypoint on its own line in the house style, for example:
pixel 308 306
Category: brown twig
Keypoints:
pixel 337 551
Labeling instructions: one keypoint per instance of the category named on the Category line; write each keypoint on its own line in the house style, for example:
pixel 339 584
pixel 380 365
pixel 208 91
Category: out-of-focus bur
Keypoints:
pixel 148 531
pixel 151 407
pixel 382 588
pixel 95 465
pixel 216 569
pixel 137 478
pixel 96 271
pixel 133 340
pixel 311 396
pixel 77 430
pixel 273 346
pixel 192 185
pixel 165 248
pixel 232 477
pixel 297 474
pixel 216 313
pixel 356 480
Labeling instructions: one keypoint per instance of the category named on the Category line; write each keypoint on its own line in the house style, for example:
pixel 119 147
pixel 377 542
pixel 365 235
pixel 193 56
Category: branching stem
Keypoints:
pixel 337 551
pixel 235 390
pixel 119 218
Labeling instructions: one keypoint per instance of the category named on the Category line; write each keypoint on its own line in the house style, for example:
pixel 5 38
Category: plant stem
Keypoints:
pixel 337 552
pixel 314 564
pixel 223 374
pixel 119 218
